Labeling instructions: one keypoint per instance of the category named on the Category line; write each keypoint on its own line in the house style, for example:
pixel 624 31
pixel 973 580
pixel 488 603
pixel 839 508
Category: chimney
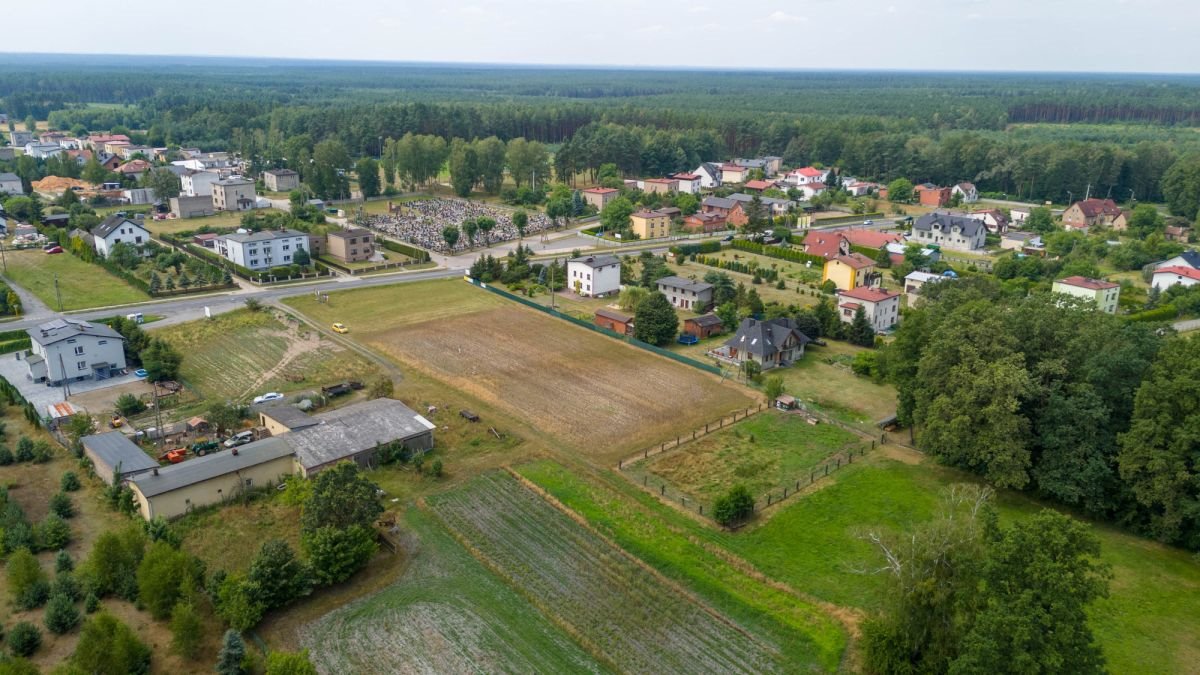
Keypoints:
pixel 235 452
pixel 155 471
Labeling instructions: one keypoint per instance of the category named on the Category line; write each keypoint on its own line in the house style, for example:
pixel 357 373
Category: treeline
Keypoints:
pixel 1076 405
pixel 1063 112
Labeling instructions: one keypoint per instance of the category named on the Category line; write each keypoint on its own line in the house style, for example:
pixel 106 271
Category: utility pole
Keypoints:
pixel 58 293
pixel 3 258
pixel 1088 195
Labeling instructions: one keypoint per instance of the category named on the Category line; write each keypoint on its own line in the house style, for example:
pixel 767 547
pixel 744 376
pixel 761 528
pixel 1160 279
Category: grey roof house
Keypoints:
pixel 958 233
pixel 69 349
pixel 357 432
pixel 694 296
pixel 773 343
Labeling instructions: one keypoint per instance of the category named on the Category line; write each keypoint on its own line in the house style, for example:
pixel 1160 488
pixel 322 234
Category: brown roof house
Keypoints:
pixel 1090 213
pixel 703 326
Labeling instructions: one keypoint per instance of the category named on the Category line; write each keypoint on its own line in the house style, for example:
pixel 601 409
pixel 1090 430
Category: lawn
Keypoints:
pixel 763 453
pixel 447 613
pixel 82 285
pixel 823 379
pixel 806 632
pixel 228 538
pixel 593 393
pixel 619 610
pixel 795 277
pixel 222 220
pixel 237 355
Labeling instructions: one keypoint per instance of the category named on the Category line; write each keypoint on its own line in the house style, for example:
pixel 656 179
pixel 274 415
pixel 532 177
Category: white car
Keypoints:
pixel 240 438
pixel 268 397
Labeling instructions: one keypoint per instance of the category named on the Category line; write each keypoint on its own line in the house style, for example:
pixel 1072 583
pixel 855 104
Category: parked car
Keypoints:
pixel 51 250
pixel 868 222
pixel 240 438
pixel 340 328
pixel 268 397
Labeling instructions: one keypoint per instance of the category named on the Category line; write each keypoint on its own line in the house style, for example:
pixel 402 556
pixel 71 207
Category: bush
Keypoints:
pixel 61 506
pixel 233 652
pixel 106 645
pixel 63 562
pixel 187 631
pixel 53 533
pixel 6 456
pixel 164 577
pixel 24 639
pixel 69 482
pixel 128 405
pixel 91 603
pixel 335 554
pixel 61 615
pixel 24 449
pixel 733 507
pixel 290 663
pixel 66 584
pixel 435 469
pixel 26 582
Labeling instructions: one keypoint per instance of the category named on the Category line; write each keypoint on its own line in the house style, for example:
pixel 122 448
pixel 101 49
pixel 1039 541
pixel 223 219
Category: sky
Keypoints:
pixel 1008 35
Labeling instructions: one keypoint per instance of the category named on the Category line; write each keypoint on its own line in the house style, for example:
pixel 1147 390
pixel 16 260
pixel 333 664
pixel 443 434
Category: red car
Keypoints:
pixel 51 250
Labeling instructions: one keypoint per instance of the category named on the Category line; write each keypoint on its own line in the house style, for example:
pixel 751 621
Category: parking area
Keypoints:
pixel 17 373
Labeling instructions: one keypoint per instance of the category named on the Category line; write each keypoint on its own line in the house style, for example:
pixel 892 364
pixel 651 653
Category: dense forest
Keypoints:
pixel 1002 131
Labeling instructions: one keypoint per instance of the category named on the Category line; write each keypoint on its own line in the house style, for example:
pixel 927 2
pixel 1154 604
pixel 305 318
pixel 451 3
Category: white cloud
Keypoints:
pixel 780 16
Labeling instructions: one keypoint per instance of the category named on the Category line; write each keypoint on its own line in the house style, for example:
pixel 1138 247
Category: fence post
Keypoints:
pixel 693 434
pixel 645 479
pixel 872 445
pixel 663 490
pixel 768 500
pixel 706 427
pixel 701 509
pixel 785 492
pixel 826 469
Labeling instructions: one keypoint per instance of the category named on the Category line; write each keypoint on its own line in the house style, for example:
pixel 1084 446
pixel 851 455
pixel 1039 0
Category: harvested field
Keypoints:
pixel 764 452
pixel 596 394
pixel 238 355
pixel 447 614
pixel 625 614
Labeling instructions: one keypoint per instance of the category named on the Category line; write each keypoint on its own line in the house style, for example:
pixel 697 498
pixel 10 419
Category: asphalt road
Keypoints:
pixel 177 310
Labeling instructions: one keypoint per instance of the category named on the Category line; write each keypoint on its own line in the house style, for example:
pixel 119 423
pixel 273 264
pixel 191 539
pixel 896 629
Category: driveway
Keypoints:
pixel 17 374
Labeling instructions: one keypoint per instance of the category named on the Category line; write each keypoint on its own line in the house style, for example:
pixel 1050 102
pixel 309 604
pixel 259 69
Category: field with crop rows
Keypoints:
pixel 763 453
pixel 238 355
pixel 447 614
pixel 622 612
pixel 598 395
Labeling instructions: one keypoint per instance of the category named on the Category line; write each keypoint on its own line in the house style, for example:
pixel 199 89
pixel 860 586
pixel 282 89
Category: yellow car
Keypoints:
pixel 340 328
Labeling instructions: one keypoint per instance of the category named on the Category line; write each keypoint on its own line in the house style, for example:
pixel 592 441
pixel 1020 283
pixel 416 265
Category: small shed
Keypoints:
pixel 198 425
pixel 280 419
pixel 112 453
pixel 619 323
pixel 56 413
pixel 703 326
pixel 786 402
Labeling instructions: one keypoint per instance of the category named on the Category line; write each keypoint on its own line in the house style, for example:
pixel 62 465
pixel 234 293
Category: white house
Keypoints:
pixel 806 175
pixel 915 281
pixel 810 190
pixel 594 275
pixel 10 183
pixel 690 183
pixel 194 183
pixel 1104 294
pixel 68 349
pixel 966 191
pixel 1166 277
pixel 957 233
pixel 695 296
pixel 710 175
pixel 262 250
pixel 882 308
pixel 43 150
pixel 1186 259
pixel 118 229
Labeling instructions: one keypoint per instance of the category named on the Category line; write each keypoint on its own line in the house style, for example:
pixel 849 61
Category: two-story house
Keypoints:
pixel 882 308
pixel 966 192
pixel 1089 213
pixel 694 296
pixel 118 229
pixel 650 224
pixel 234 194
pixel 194 183
pixel 69 350
pixel 262 250
pixel 957 233
pixel 688 182
pixel 10 183
pixel 1104 294
pixel 281 180
pixel 594 275
pixel 599 197
pixel 355 245
pixel 710 175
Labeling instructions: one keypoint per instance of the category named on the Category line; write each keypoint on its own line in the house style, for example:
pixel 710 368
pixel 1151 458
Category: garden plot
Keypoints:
pixel 623 613
pixel 447 614
pixel 763 453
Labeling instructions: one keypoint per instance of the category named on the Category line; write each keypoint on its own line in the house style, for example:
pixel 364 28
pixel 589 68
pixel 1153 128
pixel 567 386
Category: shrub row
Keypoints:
pixel 789 254
pixel 765 273
pixel 420 255
pixel 1163 313
pixel 693 249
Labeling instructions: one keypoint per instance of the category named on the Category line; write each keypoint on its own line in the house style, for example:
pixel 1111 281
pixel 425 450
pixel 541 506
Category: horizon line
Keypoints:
pixel 5 55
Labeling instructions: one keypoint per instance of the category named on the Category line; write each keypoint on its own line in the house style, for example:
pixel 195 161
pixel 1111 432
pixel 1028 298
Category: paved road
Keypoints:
pixel 181 309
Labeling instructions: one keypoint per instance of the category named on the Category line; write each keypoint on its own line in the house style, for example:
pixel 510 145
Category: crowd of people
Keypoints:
pixel 422 223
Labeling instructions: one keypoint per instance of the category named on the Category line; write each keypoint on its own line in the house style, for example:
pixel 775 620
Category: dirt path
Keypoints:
pixel 297 345
pixel 391 369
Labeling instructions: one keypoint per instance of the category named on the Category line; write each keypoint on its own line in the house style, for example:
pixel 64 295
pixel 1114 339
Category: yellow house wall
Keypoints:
pixel 843 276
pixel 213 491
pixel 651 228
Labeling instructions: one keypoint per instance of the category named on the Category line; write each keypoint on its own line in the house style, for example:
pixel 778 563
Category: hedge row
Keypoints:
pixel 765 273
pixel 420 255
pixel 693 249
pixel 1163 313
pixel 10 346
pixel 789 254
pixel 838 220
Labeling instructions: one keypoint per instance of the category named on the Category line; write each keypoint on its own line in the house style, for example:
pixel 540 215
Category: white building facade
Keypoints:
pixel 262 250
pixel 594 276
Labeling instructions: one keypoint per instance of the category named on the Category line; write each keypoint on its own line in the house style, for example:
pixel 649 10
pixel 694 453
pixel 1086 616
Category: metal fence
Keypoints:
pixel 706 367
